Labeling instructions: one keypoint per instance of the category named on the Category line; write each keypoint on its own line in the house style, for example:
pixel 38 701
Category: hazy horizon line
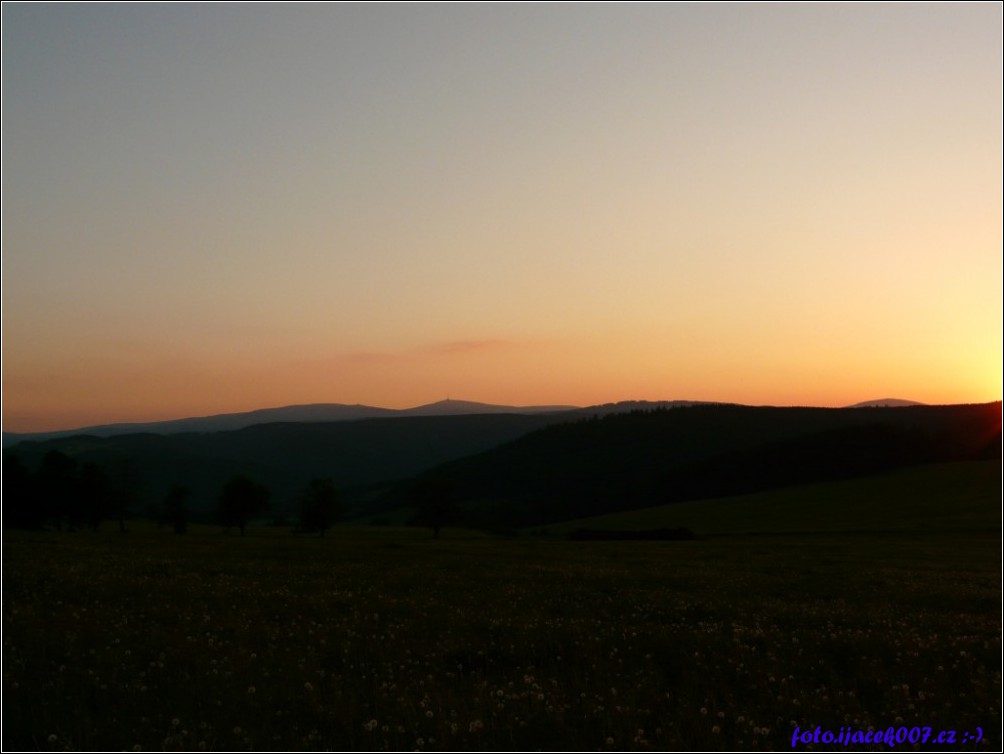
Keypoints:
pixel 450 399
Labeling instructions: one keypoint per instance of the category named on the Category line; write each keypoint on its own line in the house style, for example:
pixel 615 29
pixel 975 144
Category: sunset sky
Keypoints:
pixel 215 208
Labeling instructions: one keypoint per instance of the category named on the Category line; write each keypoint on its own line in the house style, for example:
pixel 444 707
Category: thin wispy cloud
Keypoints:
pixel 368 357
pixel 468 346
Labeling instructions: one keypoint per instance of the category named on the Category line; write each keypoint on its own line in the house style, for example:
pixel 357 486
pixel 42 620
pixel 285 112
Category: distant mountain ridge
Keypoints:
pixel 336 412
pixel 301 413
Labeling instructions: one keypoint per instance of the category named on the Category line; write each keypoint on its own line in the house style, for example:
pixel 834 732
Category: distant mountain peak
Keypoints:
pixel 885 403
pixel 451 403
pixel 451 406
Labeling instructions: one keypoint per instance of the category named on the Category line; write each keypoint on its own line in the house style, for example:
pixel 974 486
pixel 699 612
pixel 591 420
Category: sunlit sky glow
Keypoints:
pixel 212 208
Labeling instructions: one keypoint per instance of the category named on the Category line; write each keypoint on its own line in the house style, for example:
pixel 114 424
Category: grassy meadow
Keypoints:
pixel 867 603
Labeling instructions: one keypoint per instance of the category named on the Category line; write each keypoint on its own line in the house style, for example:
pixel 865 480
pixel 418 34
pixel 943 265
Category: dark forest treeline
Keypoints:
pixel 64 494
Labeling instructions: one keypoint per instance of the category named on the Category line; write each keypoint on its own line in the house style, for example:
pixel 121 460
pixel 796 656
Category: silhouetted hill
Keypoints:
pixel 625 461
pixel 311 412
pixel 520 469
pixel 314 412
pixel 455 408
pixel 285 456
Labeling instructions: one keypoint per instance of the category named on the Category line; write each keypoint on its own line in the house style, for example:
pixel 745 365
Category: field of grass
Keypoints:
pixel 382 638
pixel 962 497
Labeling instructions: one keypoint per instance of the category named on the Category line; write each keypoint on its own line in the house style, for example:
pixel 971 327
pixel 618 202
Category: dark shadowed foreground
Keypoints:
pixel 383 638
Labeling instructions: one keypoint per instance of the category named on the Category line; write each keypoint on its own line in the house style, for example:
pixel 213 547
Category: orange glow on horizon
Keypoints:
pixel 761 204
pixel 502 374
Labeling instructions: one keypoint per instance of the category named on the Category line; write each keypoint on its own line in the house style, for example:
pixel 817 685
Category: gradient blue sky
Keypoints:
pixel 213 208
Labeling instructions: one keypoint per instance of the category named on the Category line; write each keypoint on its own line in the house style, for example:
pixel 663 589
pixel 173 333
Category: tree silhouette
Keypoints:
pixel 434 498
pixel 21 506
pixel 241 499
pixel 126 489
pixel 57 486
pixel 94 498
pixel 319 506
pixel 175 509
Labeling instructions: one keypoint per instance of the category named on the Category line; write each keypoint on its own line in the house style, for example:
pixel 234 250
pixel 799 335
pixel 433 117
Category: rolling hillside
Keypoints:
pixel 515 470
pixel 931 499
pixel 629 461
pixel 357 455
